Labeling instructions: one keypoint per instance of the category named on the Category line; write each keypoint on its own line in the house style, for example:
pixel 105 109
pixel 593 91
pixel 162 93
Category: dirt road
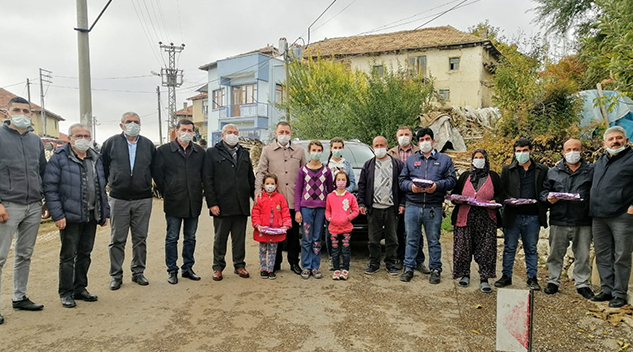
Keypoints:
pixel 366 313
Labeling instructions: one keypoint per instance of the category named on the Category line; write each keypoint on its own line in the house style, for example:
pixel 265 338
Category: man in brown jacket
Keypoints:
pixel 402 151
pixel 283 159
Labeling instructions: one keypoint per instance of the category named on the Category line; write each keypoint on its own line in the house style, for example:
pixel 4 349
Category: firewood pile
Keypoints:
pixel 254 147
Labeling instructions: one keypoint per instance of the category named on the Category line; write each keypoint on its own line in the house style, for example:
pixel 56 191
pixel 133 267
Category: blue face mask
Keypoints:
pixel 20 122
pixel 337 153
pixel 315 155
pixel 522 157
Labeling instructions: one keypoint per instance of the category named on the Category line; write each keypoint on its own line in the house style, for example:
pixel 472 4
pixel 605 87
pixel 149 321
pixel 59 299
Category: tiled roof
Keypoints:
pixel 5 96
pixel 199 96
pixel 388 42
pixel 268 50
pixel 183 112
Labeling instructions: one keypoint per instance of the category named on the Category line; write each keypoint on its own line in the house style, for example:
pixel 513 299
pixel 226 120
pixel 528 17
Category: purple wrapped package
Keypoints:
pixel 566 196
pixel 520 201
pixel 459 197
pixel 272 230
pixel 420 182
pixel 489 205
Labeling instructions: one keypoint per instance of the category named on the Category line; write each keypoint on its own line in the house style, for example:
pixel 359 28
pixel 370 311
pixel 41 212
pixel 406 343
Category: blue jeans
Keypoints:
pixel 527 227
pixel 313 221
pixel 431 218
pixel 188 245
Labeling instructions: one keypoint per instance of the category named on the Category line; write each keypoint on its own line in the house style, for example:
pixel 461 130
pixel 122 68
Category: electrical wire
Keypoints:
pixel 106 90
pixel 158 57
pixel 126 77
pixel 442 14
pixel 179 20
pixel 14 84
pixel 331 18
pixel 149 17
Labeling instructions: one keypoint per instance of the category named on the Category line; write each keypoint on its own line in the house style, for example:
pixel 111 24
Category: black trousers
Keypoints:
pixel 74 256
pixel 292 244
pixel 235 226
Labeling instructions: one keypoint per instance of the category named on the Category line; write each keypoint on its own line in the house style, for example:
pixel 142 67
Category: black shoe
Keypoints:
pixel 423 269
pixel 532 283
pixel 68 302
pixel 263 274
pixel 140 279
pixel 115 284
pixel 617 302
pixel 272 275
pixel 189 274
pixel 551 288
pixel 407 275
pixel 27 304
pixel 434 279
pixel 398 265
pixel 85 296
pixel 295 268
pixel 1 319
pixel 602 297
pixel 503 281
pixel 173 277
pixel 585 292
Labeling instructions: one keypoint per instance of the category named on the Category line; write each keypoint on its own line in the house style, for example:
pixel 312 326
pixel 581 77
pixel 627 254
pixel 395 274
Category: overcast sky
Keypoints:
pixel 124 43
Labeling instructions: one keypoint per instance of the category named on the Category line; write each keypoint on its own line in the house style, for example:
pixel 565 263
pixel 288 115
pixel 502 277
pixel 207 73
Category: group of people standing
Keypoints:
pixel 301 199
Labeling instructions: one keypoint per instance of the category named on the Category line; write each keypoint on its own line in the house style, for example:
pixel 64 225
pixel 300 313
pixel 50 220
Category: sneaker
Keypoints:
pixel 434 279
pixel 532 283
pixel 393 271
pixel 550 289
pixel 263 274
pixel 407 275
pixel 272 275
pixel 316 273
pixel 371 269
pixel 484 286
pixel 305 274
pixel 336 275
pixel 464 281
pixel 423 269
pixel 585 292
pixel 344 274
pixel 503 281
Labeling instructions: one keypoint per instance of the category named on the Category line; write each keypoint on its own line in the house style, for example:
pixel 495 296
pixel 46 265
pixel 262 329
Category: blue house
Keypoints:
pixel 243 90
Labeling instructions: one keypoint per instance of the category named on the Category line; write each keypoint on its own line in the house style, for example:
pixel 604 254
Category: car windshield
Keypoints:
pixel 356 153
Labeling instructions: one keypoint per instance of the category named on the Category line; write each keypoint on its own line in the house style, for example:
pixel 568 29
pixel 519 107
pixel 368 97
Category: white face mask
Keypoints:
pixel 380 152
pixel 522 157
pixel 20 122
pixel 132 129
pixel 283 139
pixel 231 139
pixel 426 146
pixel 83 145
pixel 479 163
pixel 572 157
pixel 609 150
pixel 270 188
pixel 404 141
pixel 185 137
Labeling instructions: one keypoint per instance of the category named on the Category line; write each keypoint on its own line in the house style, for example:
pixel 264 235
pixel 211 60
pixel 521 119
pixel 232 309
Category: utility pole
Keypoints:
pixel 171 78
pixel 45 76
pixel 283 45
pixel 28 91
pixel 160 122
pixel 85 88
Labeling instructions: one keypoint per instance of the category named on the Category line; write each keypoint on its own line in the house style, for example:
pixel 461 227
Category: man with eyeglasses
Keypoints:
pixel 74 187
pixel 127 162
pixel 22 164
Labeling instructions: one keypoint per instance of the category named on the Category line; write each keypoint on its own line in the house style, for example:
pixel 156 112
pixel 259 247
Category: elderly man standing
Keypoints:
pixel 402 151
pixel 380 197
pixel 569 220
pixel 611 207
pixel 283 159
pixel 229 182
pixel 22 164
pixel 74 186
pixel 178 170
pixel 424 204
pixel 127 162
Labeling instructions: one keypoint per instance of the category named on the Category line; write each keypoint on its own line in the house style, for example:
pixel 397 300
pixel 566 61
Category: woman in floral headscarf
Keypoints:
pixel 475 233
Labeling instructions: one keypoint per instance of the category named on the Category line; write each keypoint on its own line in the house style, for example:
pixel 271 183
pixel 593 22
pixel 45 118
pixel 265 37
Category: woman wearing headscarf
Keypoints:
pixel 475 233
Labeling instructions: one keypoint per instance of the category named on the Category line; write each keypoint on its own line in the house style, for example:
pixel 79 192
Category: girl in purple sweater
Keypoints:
pixel 314 183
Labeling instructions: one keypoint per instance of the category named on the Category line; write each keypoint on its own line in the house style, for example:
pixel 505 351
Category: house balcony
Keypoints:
pixel 244 111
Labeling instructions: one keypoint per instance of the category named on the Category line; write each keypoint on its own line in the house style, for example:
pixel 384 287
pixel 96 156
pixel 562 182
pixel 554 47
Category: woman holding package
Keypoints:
pixel 475 233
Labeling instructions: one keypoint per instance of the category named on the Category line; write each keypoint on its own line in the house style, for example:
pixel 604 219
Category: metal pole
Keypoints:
pixel 42 111
pixel 85 89
pixel 287 95
pixel 160 123
pixel 28 90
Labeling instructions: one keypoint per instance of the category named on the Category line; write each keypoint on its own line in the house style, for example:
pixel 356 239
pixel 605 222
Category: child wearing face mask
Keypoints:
pixel 270 210
pixel 341 207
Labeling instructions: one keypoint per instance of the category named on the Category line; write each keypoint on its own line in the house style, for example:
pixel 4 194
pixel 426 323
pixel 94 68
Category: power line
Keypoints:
pixel 179 20
pixel 14 84
pixel 158 57
pixel 106 90
pixel 331 18
pixel 126 77
pixel 442 14
pixel 322 13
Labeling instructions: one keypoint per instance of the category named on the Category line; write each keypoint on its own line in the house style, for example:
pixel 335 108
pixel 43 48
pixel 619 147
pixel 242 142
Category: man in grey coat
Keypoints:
pixel 22 165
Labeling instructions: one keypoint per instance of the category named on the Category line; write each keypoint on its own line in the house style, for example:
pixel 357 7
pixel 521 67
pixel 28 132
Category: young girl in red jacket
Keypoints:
pixel 271 210
pixel 340 208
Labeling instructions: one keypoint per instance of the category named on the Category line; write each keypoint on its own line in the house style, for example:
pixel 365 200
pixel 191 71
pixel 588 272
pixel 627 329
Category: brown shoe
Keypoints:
pixel 217 275
pixel 242 272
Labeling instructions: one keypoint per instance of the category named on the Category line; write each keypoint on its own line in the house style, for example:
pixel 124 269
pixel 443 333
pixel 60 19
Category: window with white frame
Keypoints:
pixel 453 63
pixel 218 99
pixel 444 94
pixel 417 65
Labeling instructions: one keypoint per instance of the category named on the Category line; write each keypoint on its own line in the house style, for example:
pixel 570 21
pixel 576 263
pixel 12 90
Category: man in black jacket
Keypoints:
pixel 569 220
pixel 611 207
pixel 229 182
pixel 178 174
pixel 380 198
pixel 523 178
pixel 127 162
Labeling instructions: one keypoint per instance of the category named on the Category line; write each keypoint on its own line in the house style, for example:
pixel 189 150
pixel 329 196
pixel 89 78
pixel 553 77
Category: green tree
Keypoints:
pixel 561 16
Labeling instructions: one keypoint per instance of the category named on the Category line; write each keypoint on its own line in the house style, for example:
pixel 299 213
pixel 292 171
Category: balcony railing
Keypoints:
pixel 244 110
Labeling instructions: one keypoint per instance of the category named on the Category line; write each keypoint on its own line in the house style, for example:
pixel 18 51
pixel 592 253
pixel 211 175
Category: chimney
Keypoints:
pixel 184 106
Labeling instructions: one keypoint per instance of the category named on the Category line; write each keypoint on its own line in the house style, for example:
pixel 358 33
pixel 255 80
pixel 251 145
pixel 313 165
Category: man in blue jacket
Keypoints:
pixel 611 207
pixel 424 205
pixel 74 186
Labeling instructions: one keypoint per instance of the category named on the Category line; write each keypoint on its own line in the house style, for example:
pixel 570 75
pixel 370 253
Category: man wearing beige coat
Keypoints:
pixel 283 159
